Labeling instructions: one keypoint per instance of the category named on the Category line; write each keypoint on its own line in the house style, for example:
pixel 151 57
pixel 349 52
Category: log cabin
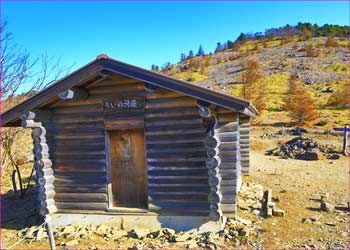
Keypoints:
pixel 115 139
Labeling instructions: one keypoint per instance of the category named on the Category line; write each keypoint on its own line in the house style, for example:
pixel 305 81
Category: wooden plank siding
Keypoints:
pixel 177 175
pixel 244 131
pixel 229 153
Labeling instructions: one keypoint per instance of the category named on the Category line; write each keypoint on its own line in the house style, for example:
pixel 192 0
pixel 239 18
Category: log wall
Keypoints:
pixel 177 175
pixel 179 179
pixel 77 141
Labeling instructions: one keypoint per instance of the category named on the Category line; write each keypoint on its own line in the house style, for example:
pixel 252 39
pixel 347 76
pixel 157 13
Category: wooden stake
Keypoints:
pixel 49 232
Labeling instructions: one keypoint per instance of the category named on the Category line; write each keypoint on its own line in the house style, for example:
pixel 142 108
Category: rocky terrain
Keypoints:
pixel 282 60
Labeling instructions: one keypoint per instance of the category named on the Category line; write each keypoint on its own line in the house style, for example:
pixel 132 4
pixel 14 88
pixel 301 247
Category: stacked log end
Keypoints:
pixel 244 130
pixel 42 164
pixel 212 143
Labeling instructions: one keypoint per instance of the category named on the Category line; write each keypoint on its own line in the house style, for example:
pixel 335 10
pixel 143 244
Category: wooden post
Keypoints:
pixel 50 232
pixel 345 140
pixel 346 130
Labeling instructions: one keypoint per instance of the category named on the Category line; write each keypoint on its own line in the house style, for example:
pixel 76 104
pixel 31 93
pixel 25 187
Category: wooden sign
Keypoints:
pixel 121 105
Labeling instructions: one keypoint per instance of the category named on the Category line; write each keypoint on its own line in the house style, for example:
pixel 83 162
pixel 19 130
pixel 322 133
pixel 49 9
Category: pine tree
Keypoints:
pixel 154 68
pixel 183 57
pixel 218 47
pixel 200 51
pixel 190 54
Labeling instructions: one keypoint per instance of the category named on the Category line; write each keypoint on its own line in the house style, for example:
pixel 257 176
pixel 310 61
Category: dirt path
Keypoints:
pixel 299 185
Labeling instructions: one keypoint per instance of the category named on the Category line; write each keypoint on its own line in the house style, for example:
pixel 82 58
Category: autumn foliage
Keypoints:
pixel 253 88
pixel 299 103
pixel 331 42
pixel 341 97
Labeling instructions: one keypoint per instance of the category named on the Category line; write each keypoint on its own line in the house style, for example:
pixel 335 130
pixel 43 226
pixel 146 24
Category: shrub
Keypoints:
pixel 322 123
pixel 331 42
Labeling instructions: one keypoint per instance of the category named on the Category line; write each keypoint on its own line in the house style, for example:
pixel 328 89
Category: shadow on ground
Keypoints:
pixel 17 213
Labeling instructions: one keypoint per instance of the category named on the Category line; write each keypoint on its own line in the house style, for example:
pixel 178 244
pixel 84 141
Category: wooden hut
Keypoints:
pixel 113 138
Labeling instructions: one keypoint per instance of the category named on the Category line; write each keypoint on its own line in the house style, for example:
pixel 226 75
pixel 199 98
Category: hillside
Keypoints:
pixel 321 68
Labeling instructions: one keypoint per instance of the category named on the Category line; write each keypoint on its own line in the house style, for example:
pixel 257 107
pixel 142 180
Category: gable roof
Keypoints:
pixel 95 70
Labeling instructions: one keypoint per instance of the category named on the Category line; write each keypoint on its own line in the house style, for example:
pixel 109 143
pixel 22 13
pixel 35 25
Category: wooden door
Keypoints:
pixel 128 168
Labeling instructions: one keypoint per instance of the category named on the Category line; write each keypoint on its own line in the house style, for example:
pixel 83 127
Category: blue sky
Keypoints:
pixel 143 33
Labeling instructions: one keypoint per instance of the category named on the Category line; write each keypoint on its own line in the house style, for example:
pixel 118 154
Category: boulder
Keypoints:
pixel 72 243
pixel 309 156
pixel 278 212
pixel 327 207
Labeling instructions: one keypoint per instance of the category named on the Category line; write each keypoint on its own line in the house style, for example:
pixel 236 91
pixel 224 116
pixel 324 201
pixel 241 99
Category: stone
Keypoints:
pixel 117 234
pixel 244 232
pixel 315 217
pixel 278 212
pixel 68 230
pixel 183 237
pixel 309 156
pixel 169 231
pixel 275 198
pixel 344 234
pixel 72 243
pixel 327 207
pixel 141 233
pixel 156 234
pixel 245 222
pixel 332 224
pixel 324 196
pixel 306 220
pixel 102 229
pixel 192 244
pixel 40 234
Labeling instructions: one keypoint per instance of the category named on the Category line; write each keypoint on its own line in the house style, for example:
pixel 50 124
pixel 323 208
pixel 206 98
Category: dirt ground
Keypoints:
pixel 298 184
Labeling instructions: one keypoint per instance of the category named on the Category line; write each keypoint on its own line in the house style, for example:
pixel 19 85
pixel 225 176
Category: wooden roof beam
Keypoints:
pixel 73 94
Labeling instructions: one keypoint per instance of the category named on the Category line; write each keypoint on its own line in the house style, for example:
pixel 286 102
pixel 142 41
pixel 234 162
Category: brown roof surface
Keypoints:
pixel 103 63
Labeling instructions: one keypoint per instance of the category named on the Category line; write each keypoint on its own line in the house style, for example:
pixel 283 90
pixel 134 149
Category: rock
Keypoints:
pixel 101 229
pixel 192 244
pixel 344 234
pixel 324 196
pixel 141 233
pixel 72 243
pixel 275 199
pixel 315 217
pixel 117 234
pixel 156 234
pixel 244 232
pixel 68 230
pixel 40 234
pixel 309 156
pixel 306 220
pixel 182 237
pixel 169 231
pixel 243 221
pixel 332 224
pixel 278 212
pixel 327 207
pixel 333 156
